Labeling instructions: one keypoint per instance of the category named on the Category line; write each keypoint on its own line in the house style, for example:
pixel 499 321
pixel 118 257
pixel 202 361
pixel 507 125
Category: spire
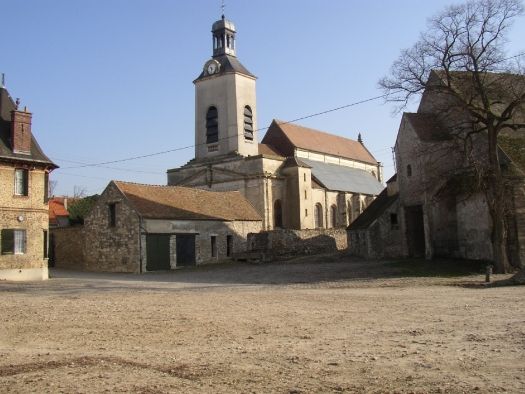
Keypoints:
pixel 2 81
pixel 223 32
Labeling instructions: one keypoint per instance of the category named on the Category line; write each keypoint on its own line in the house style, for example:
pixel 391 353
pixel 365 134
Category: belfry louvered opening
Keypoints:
pixel 212 125
pixel 248 123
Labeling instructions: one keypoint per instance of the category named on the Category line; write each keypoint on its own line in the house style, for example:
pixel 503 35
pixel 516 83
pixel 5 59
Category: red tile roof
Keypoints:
pixel 319 141
pixel 56 208
pixel 185 203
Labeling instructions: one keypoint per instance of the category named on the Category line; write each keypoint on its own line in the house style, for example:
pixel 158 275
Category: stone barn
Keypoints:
pixel 139 228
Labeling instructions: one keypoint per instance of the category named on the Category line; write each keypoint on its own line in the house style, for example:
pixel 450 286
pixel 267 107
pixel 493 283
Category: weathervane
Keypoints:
pixel 223 6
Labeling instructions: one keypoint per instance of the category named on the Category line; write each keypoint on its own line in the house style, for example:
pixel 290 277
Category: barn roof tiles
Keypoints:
pixel 183 203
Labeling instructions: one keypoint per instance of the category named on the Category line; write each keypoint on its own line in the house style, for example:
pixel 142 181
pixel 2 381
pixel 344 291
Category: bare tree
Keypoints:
pixel 52 186
pixel 461 57
pixel 79 191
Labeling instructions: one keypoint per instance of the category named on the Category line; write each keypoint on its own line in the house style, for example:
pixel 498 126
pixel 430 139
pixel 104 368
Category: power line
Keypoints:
pixel 109 168
pixel 101 164
pixel 225 138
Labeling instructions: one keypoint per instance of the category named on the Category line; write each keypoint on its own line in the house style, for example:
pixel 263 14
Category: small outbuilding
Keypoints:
pixel 138 228
pixel 377 232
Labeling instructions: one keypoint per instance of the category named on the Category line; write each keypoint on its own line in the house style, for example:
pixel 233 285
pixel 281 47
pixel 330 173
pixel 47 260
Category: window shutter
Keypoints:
pixel 8 241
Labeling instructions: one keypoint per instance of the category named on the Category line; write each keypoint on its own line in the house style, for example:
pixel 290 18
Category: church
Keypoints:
pixel 296 178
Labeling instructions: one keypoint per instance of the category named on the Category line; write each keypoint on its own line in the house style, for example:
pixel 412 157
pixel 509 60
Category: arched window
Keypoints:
pixel 277 214
pixel 333 216
pixel 318 215
pixel 409 170
pixel 248 123
pixel 212 125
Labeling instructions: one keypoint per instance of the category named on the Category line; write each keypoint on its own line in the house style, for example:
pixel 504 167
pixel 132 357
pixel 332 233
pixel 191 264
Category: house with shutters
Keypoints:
pixel 296 178
pixel 139 228
pixel 24 175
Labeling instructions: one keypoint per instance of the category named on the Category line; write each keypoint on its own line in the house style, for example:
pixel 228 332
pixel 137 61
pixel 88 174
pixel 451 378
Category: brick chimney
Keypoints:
pixel 21 131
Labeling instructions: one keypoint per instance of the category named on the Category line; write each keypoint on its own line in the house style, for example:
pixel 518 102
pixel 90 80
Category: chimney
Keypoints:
pixel 21 131
pixel 359 138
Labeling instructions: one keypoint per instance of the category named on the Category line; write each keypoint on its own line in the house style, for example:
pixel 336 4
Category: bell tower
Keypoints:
pixel 225 102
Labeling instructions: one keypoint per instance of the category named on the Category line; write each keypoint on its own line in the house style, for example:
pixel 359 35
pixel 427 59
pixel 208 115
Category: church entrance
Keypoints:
pixel 318 216
pixel 415 231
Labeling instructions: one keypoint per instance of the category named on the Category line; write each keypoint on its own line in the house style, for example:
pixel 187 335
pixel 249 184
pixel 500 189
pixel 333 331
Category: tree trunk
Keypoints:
pixel 495 193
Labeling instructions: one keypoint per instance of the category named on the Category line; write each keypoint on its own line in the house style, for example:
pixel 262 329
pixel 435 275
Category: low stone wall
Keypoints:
pixel 284 243
pixel 66 247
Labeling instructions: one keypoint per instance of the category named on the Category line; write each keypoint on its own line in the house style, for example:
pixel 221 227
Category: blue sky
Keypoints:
pixel 111 79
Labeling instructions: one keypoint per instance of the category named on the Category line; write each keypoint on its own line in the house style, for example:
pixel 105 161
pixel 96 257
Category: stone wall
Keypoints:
pixel 283 243
pixel 66 247
pixel 474 228
pixel 112 249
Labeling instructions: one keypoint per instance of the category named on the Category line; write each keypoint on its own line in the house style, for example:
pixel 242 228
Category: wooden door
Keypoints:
pixel 158 252
pixel 185 250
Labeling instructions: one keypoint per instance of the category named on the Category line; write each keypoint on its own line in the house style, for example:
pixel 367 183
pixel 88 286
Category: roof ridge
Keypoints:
pixel 177 187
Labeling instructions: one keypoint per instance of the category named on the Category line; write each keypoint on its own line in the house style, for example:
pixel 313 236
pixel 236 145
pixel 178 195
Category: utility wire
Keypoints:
pixel 110 168
pixel 260 129
pixel 225 138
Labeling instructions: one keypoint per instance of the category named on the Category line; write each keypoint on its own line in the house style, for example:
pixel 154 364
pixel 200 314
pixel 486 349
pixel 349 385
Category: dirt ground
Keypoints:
pixel 325 325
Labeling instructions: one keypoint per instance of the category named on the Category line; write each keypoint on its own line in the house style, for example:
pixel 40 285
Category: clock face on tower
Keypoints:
pixel 211 67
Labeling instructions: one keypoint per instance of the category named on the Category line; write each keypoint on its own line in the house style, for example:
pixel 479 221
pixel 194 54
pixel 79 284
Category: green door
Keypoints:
pixel 158 252
pixel 185 250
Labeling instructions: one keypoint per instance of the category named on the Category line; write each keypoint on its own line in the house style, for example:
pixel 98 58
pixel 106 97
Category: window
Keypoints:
pixel 333 216
pixel 409 170
pixel 318 215
pixel 229 245
pixel 21 182
pixel 305 195
pixel 46 187
pixel 277 214
pixel 212 125
pixel 394 225
pixel 213 246
pixel 304 176
pixel 13 241
pixel 306 212
pixel 45 245
pixel 248 123
pixel 112 213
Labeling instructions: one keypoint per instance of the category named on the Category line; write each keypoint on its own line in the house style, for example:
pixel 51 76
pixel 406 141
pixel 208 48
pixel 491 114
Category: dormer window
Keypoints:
pixel 248 123
pixel 212 125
